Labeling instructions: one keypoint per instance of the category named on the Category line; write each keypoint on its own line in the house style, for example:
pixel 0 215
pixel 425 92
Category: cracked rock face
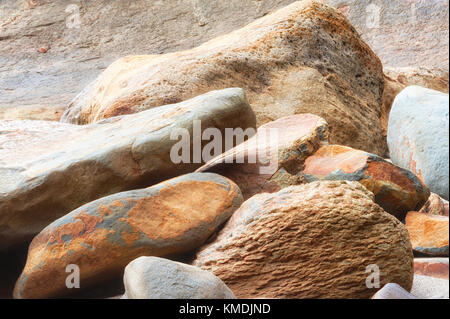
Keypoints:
pixel 270 160
pixel 304 58
pixel 102 237
pixel 48 169
pixel 310 241
pixel 396 190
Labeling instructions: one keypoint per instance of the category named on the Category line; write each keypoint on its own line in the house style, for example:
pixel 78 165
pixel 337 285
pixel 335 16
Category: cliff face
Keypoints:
pixel 50 50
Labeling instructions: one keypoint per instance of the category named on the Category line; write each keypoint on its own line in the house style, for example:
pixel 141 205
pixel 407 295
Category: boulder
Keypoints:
pixel 397 79
pixel 426 287
pixel 393 291
pixel 270 160
pixel 158 278
pixel 52 49
pixel 429 233
pixel 324 239
pixel 396 190
pixel 102 237
pixel 433 267
pixel 304 58
pixel 435 205
pixel 418 133
pixel 48 169
pixel 410 33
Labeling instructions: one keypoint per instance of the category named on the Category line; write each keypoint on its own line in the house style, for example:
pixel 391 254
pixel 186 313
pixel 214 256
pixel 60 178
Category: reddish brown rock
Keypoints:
pixel 396 190
pixel 304 58
pixel 102 237
pixel 433 267
pixel 292 140
pixel 310 241
pixel 429 233
pixel 435 205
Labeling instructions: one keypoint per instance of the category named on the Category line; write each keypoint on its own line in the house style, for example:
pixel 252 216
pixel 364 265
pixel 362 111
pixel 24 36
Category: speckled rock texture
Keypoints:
pixel 397 79
pixel 48 169
pixel 418 133
pixel 32 112
pixel 433 267
pixel 304 58
pixel 270 160
pixel 409 33
pixel 102 237
pixel 429 233
pixel 403 33
pixel 158 278
pixel 396 190
pixel 435 205
pixel 426 287
pixel 393 291
pixel 309 241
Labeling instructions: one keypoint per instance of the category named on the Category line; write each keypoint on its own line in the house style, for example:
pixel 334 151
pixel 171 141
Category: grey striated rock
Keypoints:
pixel 158 278
pixel 48 169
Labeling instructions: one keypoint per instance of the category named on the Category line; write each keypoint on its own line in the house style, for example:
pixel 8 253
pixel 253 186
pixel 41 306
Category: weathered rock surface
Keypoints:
pixel 435 205
pixel 309 241
pixel 429 233
pixel 403 33
pixel 396 190
pixel 425 287
pixel 397 79
pixel 393 291
pixel 304 58
pixel 418 136
pixel 433 267
pixel 271 159
pixel 158 278
pixel 48 169
pixel 32 112
pixel 102 237
pixel 76 53
pixel 409 33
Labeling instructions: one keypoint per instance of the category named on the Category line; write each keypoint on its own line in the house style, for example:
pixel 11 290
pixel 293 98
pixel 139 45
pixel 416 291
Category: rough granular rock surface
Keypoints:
pixel 310 241
pixel 304 58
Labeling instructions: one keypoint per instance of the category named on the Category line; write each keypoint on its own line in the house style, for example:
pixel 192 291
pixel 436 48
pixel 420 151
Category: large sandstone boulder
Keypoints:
pixel 50 50
pixel 102 237
pixel 429 233
pixel 270 160
pixel 158 278
pixel 396 190
pixel 319 240
pixel 48 169
pixel 418 133
pixel 304 58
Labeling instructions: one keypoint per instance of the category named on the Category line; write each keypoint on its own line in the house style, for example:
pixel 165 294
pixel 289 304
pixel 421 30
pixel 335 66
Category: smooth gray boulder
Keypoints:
pixel 393 291
pixel 418 133
pixel 48 169
pixel 158 278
